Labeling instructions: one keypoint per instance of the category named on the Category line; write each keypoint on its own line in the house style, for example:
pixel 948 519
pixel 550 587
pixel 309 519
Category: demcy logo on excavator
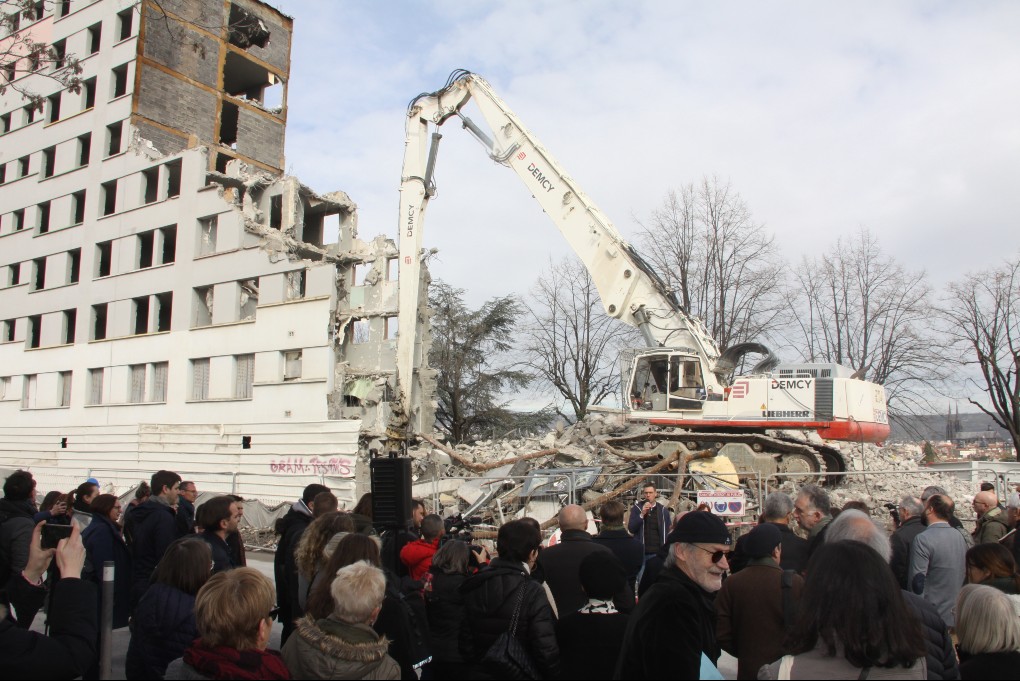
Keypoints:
pixel 540 176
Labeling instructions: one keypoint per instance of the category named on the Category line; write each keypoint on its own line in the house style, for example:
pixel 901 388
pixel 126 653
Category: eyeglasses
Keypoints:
pixel 716 555
pixel 274 613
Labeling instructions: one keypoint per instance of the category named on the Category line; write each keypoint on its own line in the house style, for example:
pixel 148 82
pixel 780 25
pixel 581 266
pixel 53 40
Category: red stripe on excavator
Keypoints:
pixel 850 431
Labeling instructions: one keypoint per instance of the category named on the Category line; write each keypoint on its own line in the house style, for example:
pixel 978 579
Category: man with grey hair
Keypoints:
pixel 673 627
pixel 813 512
pixel 856 526
pixel 911 512
pixel 776 509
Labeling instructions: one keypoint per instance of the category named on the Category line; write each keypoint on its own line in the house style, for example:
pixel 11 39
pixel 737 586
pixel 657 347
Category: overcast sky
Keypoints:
pixel 900 117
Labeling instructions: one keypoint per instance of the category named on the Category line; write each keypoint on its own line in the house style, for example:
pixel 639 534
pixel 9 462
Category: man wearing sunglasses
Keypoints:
pixel 671 632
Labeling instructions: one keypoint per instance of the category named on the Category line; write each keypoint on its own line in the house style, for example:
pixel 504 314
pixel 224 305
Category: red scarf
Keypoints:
pixel 221 662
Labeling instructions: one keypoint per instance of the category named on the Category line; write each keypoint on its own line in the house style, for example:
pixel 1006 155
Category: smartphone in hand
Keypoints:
pixel 52 534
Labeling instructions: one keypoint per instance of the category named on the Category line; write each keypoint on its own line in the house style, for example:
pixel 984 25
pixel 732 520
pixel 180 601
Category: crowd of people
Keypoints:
pixel 650 595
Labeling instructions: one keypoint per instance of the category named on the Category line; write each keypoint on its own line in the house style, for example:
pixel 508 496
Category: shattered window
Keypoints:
pixel 248 298
pixel 203 306
pixel 295 282
pixel 246 29
pixel 292 365
pixel 207 235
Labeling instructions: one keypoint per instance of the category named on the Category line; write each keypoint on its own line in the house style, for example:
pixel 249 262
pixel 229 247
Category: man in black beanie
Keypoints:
pixel 673 626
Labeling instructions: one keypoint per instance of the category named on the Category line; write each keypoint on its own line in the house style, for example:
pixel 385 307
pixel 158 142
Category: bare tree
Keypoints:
pixel 571 344
pixel 706 246
pixel 857 306
pixel 982 315
pixel 22 56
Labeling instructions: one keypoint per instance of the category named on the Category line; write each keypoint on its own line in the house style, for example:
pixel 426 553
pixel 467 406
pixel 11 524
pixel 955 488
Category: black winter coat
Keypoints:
pixel 672 625
pixel 103 541
pixel 164 625
pixel 901 540
pixel 561 567
pixel 69 650
pixel 941 655
pixel 793 556
pixel 289 527
pixel 629 550
pixel 490 597
pixel 154 529
pixel 990 666
pixel 590 644
pixel 446 612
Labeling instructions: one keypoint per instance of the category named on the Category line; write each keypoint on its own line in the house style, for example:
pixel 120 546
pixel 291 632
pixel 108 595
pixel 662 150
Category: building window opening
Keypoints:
pixel 120 79
pixel 164 310
pixel 141 306
pixel 84 149
pixel 146 242
pixel 169 251
pixel 18 217
pixel 359 273
pixel 23 166
pixel 392 269
pixel 137 394
pixel 245 79
pixel 360 331
pixel 59 54
pixel 65 7
pixel 114 132
pixel 73 266
pixel 125 19
pixel 221 163
pixel 312 230
pixel 246 29
pixel 207 235
pixel 29 391
pixel 244 377
pixel 78 207
pixel 49 161
pixel 159 375
pixel 54 101
pixel 200 379
pixel 96 386
pixel 276 211
pixel 173 179
pixel 44 217
pixel 392 326
pixel 34 331
pixel 292 365
pixel 15 277
pixel 203 306
pixel 70 325
pixel 295 282
pixel 65 397
pixel 109 197
pixel 104 258
pixel 150 177
pixel 39 276
pixel 95 34
pixel 30 112
pixel 228 125
pixel 9 326
pixel 248 298
pixel 89 87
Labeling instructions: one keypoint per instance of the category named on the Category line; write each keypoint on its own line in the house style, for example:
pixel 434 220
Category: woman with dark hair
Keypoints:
pixel 993 565
pixel 83 497
pixel 54 509
pixel 491 596
pixel 164 621
pixel 104 541
pixel 444 605
pixel 852 619
pixel 350 550
pixel 362 515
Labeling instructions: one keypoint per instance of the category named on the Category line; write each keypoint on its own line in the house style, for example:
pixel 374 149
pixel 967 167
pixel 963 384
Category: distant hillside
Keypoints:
pixel 914 428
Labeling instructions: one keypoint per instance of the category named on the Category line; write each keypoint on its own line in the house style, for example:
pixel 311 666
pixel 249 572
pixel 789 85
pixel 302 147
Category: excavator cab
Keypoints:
pixel 667 381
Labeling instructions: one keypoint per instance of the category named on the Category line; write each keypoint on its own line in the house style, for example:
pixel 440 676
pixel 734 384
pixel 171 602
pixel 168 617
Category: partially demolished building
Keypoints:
pixel 168 298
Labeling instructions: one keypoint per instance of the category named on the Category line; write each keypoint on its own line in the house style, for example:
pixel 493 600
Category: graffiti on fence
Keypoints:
pixel 342 466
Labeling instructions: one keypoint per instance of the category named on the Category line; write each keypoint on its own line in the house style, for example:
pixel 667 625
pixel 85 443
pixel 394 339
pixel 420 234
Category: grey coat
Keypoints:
pixel 938 567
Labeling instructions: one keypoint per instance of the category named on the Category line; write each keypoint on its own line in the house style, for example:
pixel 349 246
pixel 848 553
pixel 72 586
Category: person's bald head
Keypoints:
pixel 573 517
pixel 985 502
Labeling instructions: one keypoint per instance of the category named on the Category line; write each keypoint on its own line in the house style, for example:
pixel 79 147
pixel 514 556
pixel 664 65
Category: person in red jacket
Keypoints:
pixel 417 555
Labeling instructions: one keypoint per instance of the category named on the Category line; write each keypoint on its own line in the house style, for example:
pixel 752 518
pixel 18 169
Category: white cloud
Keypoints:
pixel 901 117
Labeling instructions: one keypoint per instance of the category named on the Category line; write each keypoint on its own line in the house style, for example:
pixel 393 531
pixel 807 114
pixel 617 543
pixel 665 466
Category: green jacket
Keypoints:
pixel 332 649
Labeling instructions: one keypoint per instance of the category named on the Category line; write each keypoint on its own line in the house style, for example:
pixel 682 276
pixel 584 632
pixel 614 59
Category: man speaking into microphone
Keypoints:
pixel 649 521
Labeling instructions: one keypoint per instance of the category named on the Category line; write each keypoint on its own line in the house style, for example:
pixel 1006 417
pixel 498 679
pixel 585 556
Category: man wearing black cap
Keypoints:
pixel 673 626
pixel 753 606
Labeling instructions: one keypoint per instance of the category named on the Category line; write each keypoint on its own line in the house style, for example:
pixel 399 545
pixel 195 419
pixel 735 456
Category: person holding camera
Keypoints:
pixel 417 555
pixel 70 648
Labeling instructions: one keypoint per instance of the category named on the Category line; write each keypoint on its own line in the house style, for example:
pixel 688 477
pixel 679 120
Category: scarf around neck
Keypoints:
pixel 595 606
pixel 221 662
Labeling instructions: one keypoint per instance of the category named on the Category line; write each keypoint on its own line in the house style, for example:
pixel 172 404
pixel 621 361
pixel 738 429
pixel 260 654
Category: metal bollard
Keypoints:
pixel 106 624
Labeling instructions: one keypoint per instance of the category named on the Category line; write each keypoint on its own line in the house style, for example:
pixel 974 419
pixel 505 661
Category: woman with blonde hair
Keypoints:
pixel 343 644
pixel 988 629
pixel 234 611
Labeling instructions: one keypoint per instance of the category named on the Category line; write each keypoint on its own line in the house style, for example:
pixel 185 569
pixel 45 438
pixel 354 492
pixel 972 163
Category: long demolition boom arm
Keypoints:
pixel 630 290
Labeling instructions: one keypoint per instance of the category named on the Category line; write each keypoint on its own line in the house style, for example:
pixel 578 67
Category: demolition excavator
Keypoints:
pixel 681 383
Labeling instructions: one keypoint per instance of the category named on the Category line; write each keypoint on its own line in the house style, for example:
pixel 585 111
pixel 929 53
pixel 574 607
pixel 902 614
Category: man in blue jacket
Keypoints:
pixel 649 521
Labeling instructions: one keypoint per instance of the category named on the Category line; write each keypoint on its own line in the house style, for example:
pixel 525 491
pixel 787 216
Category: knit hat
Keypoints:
pixel 602 575
pixel 762 541
pixel 700 527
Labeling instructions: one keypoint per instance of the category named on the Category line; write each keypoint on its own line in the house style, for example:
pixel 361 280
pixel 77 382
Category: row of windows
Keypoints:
pixel 91 43
pixel 156 184
pixel 147 383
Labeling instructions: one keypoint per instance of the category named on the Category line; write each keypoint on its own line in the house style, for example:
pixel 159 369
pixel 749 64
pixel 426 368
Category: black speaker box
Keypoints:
pixel 391 492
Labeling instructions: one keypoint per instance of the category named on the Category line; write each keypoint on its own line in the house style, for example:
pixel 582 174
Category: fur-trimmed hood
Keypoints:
pixel 318 649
